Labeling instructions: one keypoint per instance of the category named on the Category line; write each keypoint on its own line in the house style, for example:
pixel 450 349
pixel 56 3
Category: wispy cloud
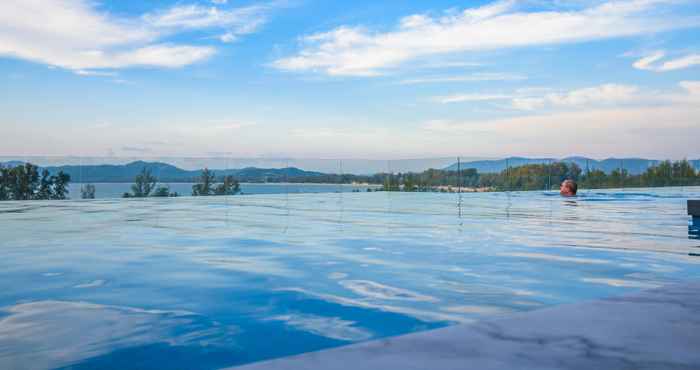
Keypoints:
pixel 463 78
pixel 665 128
pixel 232 126
pixel 75 35
pixel 83 72
pixel 236 21
pixel 358 51
pixel 136 149
pixel 653 62
pixel 540 98
pixel 458 98
pixel 603 95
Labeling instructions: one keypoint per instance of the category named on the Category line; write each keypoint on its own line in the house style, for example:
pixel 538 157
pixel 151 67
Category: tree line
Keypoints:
pixel 24 182
pixel 146 185
pixel 540 177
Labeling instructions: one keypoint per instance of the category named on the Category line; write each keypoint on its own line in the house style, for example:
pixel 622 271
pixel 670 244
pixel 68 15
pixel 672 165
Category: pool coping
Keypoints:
pixel 652 329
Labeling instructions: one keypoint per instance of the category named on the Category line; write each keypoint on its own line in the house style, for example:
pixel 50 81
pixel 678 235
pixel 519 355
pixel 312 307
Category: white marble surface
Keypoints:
pixel 655 329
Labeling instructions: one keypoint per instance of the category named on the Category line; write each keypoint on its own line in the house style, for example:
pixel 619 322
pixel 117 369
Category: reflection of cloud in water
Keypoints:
pixel 525 292
pixel 254 265
pixel 380 291
pixel 527 303
pixel 662 268
pixel 622 283
pixel 51 334
pixel 629 265
pixel 337 275
pixel 551 257
pixel 425 315
pixel 92 284
pixel 329 327
pixel 479 310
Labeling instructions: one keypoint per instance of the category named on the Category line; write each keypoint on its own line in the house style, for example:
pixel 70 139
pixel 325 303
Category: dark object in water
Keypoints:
pixel 694 208
pixel 694 211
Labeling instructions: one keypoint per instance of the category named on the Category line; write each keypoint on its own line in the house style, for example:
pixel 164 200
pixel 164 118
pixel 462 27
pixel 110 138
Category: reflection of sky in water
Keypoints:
pixel 214 282
pixel 694 228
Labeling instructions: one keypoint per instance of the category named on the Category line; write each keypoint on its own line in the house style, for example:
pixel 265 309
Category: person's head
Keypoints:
pixel 568 188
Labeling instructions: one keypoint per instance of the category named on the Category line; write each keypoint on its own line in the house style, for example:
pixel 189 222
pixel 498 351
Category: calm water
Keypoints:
pixel 214 282
pixel 116 190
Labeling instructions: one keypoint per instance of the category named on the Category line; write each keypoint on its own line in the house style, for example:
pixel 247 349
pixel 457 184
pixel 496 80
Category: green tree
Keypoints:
pixel 409 183
pixel 618 178
pixel 164 191
pixel 229 187
pixel 205 186
pixel 144 184
pixel 595 179
pixel 24 183
pixel 391 182
pixel 4 183
pixel 60 185
pixel 683 172
pixel 26 180
pixel 45 186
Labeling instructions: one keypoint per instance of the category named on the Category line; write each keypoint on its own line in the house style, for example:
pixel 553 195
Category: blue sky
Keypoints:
pixel 350 79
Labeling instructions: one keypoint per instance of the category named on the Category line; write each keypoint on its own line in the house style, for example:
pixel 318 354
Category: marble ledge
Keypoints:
pixel 654 329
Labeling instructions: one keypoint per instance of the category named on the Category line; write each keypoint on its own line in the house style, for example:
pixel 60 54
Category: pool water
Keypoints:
pixel 214 282
pixel 117 190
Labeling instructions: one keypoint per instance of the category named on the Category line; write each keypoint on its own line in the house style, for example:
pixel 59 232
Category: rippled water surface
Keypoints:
pixel 214 282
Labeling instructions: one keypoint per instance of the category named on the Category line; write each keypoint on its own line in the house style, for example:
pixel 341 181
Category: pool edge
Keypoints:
pixel 657 328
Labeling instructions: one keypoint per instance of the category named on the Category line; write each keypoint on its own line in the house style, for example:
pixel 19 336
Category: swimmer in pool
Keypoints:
pixel 568 188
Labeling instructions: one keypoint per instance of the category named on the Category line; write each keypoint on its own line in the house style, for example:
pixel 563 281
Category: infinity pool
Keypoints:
pixel 214 282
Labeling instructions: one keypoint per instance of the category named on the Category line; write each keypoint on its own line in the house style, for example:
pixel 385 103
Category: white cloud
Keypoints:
pixel 232 126
pixel 228 37
pixel 603 95
pixel 647 61
pixel 665 129
pixel 75 35
pixel 84 72
pixel 651 62
pixel 692 93
pixel 350 134
pixel 137 149
pixel 681 63
pixel 458 98
pixel 463 78
pixel 239 20
pixel 357 51
pixel 538 98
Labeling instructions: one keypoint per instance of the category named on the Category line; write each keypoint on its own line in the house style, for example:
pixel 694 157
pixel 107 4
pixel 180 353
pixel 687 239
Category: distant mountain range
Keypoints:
pixel 634 166
pixel 329 166
pixel 169 173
